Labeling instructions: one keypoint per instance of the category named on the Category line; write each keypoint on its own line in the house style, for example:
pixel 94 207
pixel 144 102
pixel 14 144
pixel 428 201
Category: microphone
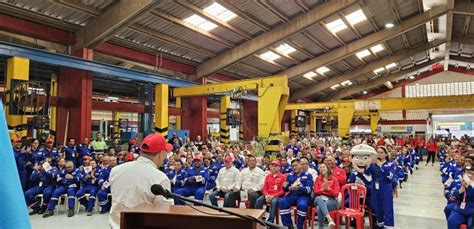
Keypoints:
pixel 158 190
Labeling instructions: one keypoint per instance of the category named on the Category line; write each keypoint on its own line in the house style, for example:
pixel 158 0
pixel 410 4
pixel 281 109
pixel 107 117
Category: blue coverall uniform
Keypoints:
pixel 179 181
pixel 53 153
pixel 193 187
pixel 90 185
pixel 20 159
pixel 104 202
pixel 382 192
pixel 43 183
pixel 213 171
pixel 65 185
pixel 84 150
pixel 70 155
pixel 286 169
pixel 300 197
pixel 462 214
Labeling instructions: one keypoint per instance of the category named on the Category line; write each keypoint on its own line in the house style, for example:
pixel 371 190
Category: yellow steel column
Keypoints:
pixel 116 119
pixel 224 129
pixel 344 120
pixel 293 129
pixel 53 110
pixel 178 117
pixel 312 123
pixel 161 109
pixel 374 121
pixel 17 68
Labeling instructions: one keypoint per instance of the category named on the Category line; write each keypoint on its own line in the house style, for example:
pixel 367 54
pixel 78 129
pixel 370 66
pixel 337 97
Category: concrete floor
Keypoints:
pixel 420 205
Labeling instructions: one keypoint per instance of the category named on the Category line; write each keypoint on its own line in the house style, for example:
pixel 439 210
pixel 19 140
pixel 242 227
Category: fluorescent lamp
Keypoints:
pixel 365 92
pixel 220 12
pixel 270 56
pixel 389 25
pixel 411 77
pixel 377 48
pixel 336 25
pixel 200 22
pixel 363 53
pixel 309 75
pixel 285 49
pixel 356 17
pixel 392 65
pixel 322 70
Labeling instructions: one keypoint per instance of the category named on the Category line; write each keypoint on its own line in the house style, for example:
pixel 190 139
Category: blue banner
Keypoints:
pixel 13 211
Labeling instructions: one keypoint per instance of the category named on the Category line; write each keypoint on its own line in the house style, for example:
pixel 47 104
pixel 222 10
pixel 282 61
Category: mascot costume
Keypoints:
pixel 362 156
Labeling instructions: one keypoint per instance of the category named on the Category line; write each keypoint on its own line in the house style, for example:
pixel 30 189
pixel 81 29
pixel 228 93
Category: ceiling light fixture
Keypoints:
pixel 389 25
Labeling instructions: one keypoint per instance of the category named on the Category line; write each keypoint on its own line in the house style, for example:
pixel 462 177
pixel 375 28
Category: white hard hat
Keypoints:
pixel 363 149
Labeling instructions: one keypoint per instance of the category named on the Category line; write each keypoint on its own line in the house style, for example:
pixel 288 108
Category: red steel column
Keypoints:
pixel 194 116
pixel 75 91
pixel 250 119
pixel 404 112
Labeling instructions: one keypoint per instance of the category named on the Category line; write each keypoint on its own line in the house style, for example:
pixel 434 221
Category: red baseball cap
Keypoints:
pixel 86 157
pixel 198 158
pixel 49 140
pixel 155 143
pixel 119 154
pixel 129 157
pixel 276 162
pixel 16 140
pixel 134 140
pixel 228 158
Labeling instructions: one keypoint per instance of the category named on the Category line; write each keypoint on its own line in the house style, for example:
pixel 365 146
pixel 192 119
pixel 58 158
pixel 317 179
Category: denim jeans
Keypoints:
pixel 273 206
pixel 323 208
pixel 229 198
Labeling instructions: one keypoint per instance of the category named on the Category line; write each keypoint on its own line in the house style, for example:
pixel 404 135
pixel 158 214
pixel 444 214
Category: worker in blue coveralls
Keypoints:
pixel 70 152
pixel 195 181
pixel 20 159
pixel 84 149
pixel 298 185
pixel 382 172
pixel 176 173
pixel 42 180
pixel 50 151
pixel 89 178
pixel 462 213
pixel 67 181
pixel 104 187
pixel 213 169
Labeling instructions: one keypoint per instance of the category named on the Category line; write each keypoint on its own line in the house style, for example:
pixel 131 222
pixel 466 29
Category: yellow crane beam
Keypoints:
pixel 273 95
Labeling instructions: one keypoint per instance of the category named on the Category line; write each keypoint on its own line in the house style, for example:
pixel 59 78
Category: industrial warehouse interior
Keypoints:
pixel 237 114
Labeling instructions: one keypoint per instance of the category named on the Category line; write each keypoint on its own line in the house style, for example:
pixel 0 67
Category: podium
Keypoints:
pixel 185 217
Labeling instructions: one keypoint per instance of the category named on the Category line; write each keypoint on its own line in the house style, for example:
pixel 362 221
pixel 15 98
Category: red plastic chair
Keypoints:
pixel 313 214
pixel 463 226
pixel 295 214
pixel 369 214
pixel 356 206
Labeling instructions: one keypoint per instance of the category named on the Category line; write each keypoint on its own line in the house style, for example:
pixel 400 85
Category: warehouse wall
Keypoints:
pixel 443 77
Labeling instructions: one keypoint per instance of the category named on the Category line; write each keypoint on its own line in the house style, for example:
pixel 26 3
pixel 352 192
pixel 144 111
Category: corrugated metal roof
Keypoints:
pixel 254 9
pixel 415 37
pixel 289 8
pixel 261 64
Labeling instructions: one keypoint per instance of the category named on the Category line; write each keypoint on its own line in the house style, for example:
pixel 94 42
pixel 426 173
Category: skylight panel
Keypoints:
pixel 270 56
pixel 200 22
pixel 336 26
pixel 220 12
pixel 356 17
pixel 322 70
pixel 363 53
pixel 377 48
pixel 285 49
pixel 309 75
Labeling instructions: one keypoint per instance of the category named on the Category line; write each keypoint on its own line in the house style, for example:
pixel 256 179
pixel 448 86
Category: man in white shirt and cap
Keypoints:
pixel 130 183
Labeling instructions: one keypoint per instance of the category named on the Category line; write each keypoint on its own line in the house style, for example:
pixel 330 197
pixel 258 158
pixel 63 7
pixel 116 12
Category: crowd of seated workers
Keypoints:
pixel 307 174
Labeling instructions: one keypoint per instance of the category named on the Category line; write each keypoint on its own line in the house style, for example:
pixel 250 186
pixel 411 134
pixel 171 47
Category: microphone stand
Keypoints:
pixel 247 217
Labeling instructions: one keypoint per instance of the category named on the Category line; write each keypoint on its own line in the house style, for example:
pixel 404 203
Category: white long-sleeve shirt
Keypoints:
pixel 228 178
pixel 130 185
pixel 252 179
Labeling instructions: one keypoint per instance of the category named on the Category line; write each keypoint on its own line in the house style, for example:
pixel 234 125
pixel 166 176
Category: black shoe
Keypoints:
pixel 41 211
pixel 34 212
pixel 48 214
pixel 103 212
pixel 90 213
pixel 70 212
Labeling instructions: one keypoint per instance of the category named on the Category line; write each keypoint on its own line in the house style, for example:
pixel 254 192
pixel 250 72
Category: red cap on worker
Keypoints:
pixel 129 157
pixel 16 140
pixel 120 154
pixel 318 154
pixel 198 158
pixel 276 162
pixel 49 140
pixel 155 143
pixel 85 158
pixel 134 140
pixel 228 158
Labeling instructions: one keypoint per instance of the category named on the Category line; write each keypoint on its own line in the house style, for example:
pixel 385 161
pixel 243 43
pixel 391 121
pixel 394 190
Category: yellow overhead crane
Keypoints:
pixel 273 95
pixel 347 109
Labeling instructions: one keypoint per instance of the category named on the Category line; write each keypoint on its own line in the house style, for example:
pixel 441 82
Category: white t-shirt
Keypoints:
pixel 252 179
pixel 130 185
